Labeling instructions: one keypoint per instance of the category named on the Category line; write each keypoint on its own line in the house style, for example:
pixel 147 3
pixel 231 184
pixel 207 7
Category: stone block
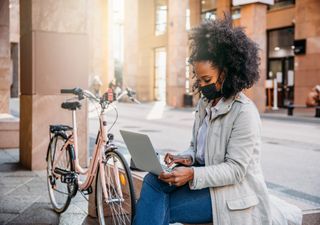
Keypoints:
pixel 4 13
pixel 9 131
pixel 59 16
pixel 70 65
pixel 36 114
pixel 4 101
pixel 313 45
pixel 282 17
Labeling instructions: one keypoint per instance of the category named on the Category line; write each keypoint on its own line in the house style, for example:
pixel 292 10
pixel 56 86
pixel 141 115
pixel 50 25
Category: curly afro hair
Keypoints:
pixel 229 50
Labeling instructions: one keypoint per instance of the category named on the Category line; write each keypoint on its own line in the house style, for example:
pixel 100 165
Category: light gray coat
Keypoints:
pixel 232 168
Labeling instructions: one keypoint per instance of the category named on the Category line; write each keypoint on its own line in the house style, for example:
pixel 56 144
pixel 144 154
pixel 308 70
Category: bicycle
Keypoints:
pixel 115 197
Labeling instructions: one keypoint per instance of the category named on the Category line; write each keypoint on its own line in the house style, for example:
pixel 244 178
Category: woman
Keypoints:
pixel 219 178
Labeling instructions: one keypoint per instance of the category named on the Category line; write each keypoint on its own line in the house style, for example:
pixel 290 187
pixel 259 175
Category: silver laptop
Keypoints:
pixel 142 152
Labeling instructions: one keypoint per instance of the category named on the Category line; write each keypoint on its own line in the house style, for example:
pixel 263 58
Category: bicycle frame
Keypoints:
pixel 97 158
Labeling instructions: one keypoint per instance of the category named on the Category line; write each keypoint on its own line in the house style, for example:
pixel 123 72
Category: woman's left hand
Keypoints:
pixel 178 177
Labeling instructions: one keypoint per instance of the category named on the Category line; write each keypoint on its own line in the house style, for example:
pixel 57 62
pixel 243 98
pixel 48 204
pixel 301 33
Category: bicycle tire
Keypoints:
pixel 116 212
pixel 60 202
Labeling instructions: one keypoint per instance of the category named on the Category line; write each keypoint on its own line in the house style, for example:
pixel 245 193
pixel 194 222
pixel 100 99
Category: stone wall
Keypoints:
pixel 307 67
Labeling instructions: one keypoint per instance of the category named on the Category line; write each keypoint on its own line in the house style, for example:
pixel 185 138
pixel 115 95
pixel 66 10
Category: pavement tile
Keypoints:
pixel 16 203
pixel 9 155
pixel 13 168
pixel 13 152
pixel 6 217
pixel 37 213
pixel 14 181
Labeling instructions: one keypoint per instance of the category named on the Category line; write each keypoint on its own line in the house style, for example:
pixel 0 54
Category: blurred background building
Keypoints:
pixel 156 46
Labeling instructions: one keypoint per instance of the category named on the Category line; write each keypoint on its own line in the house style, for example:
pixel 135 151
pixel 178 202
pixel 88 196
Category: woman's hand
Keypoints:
pixel 178 177
pixel 170 159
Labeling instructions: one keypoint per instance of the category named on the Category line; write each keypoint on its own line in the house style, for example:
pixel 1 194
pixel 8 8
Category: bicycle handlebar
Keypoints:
pixel 75 91
pixel 70 91
pixel 85 93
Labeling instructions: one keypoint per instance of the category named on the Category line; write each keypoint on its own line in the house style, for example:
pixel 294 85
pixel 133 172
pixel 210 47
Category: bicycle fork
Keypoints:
pixel 106 179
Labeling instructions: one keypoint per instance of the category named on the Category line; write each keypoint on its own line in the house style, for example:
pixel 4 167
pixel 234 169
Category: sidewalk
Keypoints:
pixel 24 198
pixel 304 115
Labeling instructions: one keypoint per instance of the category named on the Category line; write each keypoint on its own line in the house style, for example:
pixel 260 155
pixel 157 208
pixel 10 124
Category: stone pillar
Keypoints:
pixel 223 7
pixel 54 55
pixel 254 19
pixel 177 52
pixel 307 66
pixel 195 12
pixel 131 44
pixel 100 36
pixel 5 78
pixel 14 45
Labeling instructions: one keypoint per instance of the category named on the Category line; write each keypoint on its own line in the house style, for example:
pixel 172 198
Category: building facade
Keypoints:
pixel 156 47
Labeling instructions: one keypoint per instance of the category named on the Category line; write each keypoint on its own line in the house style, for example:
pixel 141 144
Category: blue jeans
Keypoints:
pixel 161 204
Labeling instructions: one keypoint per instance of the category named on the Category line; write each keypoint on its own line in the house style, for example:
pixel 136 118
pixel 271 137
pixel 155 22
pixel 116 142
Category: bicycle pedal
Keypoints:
pixel 52 180
pixel 68 178
pixel 87 191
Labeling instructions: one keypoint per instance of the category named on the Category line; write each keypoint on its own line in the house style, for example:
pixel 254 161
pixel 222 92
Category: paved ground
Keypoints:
pixel 290 148
pixel 24 198
pixel 291 155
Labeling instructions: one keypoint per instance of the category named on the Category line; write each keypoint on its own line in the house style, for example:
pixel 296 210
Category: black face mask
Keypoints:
pixel 210 92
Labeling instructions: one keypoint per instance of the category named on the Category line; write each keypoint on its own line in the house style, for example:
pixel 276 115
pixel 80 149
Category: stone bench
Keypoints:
pixel 310 217
pixel 9 131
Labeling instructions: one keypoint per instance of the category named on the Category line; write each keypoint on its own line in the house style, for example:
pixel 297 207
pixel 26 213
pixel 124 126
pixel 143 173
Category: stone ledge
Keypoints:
pixel 310 217
pixel 9 131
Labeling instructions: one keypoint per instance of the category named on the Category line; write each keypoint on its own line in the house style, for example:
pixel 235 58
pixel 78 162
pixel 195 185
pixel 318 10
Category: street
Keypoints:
pixel 290 150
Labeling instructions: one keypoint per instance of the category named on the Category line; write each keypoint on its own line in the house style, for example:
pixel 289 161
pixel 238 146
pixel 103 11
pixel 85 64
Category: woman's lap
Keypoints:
pixel 185 205
pixel 190 206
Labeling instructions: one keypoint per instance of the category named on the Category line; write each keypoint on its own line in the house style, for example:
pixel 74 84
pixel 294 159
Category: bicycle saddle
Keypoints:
pixel 71 105
pixel 55 128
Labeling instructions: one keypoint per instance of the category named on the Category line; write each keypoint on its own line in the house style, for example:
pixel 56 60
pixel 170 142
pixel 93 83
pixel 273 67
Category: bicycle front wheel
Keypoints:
pixel 59 192
pixel 115 196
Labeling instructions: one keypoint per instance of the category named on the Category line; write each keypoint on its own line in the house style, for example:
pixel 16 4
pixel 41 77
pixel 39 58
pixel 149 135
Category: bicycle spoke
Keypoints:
pixel 119 204
pixel 59 192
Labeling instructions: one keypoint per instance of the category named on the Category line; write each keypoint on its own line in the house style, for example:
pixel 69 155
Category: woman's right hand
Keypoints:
pixel 170 159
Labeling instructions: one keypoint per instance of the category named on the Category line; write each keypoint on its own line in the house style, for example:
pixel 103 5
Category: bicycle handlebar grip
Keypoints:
pixel 67 91
pixel 75 91
pixel 130 92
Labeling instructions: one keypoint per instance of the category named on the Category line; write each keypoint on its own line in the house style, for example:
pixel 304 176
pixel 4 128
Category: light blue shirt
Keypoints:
pixel 202 136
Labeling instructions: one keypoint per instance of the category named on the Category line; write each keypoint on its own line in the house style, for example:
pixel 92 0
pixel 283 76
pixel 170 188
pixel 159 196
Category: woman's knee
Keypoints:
pixel 150 178
pixel 153 181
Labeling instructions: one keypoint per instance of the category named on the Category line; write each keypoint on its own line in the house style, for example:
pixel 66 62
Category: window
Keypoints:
pixel 160 74
pixel 188 19
pixel 210 15
pixel 118 15
pixel 208 9
pixel 236 13
pixel 281 64
pixel 281 3
pixel 280 43
pixel 161 17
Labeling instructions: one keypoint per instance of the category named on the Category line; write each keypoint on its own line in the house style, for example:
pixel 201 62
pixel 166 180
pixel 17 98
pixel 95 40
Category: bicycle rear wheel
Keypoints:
pixel 119 207
pixel 60 193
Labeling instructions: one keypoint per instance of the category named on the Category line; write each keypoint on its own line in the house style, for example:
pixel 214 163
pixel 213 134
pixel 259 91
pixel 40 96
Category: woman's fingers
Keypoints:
pixel 181 160
pixel 167 177
pixel 167 158
pixel 177 177
pixel 170 159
